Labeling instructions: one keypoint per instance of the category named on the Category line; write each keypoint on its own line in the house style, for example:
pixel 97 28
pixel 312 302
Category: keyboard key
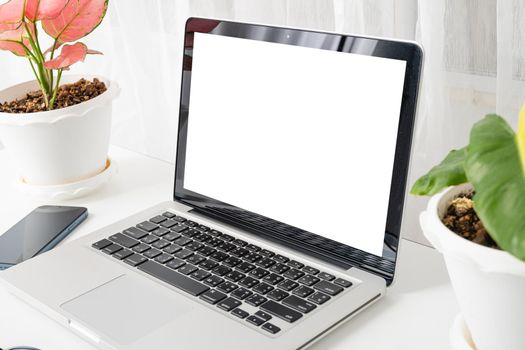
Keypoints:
pixel 221 270
pixel 252 257
pixel 168 214
pixel 207 251
pixel 343 283
pixel 193 246
pixel 212 296
pixel 295 264
pixel 248 282
pixel 219 256
pixel 255 300
pixel 231 261
pixel 123 240
pixel 101 244
pixel 190 223
pixel 234 276
pixel 265 262
pixel 255 320
pixel 175 264
pixel 150 239
pixel 179 219
pixel 122 254
pixel 326 276
pixel 188 269
pixel 319 298
pixel 151 253
pixel 227 238
pixel 240 313
pixel 214 242
pixel 263 315
pixel 172 249
pixel 259 273
pixel 328 288
pixel 215 233
pixel 182 241
pixel 191 232
pixel 227 287
pixel 199 275
pixel 141 248
pixel 208 264
pixel 253 248
pixel 170 236
pixel 299 304
pixel 161 231
pixel 228 304
pixel 195 259
pixel 169 223
pixel 163 258
pixel 158 219
pixel 202 237
pixel 241 293
pixel 245 267
pixel 111 249
pixel 147 226
pixel 273 278
pixel 239 252
pixel 173 278
pixel 271 328
pixel 213 280
pixel 239 242
pixel 281 311
pixel 293 274
pixel 266 253
pixel 310 270
pixel 277 294
pixel 183 254
pixel 226 247
pixel 203 228
pixel 178 228
pixel 135 233
pixel 279 268
pixel 135 259
pixel 288 285
pixel 161 243
pixel 262 288
pixel 281 259
pixel 308 280
pixel 303 291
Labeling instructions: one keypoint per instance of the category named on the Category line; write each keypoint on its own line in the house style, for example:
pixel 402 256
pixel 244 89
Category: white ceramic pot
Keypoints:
pixel 489 283
pixel 59 146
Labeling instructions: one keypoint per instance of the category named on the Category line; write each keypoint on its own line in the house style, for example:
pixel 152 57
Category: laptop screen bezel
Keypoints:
pixel 329 251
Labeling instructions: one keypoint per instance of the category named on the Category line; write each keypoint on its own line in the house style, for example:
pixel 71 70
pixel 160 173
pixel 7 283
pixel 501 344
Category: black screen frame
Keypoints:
pixel 315 245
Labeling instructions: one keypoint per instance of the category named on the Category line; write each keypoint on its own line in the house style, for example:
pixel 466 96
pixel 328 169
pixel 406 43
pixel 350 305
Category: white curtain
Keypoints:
pixel 474 63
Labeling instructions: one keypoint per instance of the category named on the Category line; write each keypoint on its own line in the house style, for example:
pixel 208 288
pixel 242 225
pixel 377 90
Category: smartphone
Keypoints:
pixel 38 232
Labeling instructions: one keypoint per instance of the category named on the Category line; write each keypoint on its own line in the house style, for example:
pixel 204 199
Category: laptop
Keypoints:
pixel 292 158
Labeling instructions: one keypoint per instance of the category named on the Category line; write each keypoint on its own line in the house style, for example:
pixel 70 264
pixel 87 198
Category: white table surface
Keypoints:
pixel 416 313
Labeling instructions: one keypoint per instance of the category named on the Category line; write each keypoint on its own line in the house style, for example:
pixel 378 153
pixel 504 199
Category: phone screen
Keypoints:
pixel 36 231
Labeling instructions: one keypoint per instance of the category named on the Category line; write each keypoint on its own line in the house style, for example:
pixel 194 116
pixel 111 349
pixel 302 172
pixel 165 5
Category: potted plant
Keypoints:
pixel 479 227
pixel 55 128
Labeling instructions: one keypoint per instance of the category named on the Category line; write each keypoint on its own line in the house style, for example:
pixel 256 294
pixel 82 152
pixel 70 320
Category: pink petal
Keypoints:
pixel 44 9
pixel 12 11
pixel 57 45
pixel 77 19
pixel 69 55
pixel 9 26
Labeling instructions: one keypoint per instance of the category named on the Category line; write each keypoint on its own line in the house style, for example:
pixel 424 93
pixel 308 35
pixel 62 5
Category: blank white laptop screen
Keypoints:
pixel 300 135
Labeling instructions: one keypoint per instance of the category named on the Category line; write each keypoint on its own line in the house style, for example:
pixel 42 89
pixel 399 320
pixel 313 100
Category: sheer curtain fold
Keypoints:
pixel 474 63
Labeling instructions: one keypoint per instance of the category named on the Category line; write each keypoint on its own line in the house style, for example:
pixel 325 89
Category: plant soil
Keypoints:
pixel 463 220
pixel 68 95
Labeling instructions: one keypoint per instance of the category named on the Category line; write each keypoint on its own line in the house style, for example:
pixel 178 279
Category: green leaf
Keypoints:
pixel 494 168
pixel 449 172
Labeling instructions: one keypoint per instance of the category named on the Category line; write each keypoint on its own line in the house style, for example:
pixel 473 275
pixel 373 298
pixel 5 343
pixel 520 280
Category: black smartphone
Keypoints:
pixel 38 232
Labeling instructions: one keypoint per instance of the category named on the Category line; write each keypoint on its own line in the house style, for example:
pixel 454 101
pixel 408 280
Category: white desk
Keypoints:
pixel 416 313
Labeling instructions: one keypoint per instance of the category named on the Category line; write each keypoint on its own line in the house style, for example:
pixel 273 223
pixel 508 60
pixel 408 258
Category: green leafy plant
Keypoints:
pixel 65 21
pixel 494 163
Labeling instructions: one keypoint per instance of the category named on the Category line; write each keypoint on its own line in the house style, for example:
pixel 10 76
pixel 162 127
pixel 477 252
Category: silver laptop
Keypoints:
pixel 292 157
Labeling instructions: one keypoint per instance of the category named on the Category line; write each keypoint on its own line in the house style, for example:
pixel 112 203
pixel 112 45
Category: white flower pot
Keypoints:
pixel 489 283
pixel 59 146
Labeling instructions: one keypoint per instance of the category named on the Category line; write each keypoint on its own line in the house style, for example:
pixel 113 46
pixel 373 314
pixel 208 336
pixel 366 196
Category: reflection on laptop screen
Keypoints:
pixel 299 135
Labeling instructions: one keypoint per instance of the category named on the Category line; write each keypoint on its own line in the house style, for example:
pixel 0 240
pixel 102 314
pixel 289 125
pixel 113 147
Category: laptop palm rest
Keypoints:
pixel 126 308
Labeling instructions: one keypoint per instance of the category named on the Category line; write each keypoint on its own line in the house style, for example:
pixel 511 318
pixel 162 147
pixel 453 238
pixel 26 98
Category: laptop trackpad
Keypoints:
pixel 126 308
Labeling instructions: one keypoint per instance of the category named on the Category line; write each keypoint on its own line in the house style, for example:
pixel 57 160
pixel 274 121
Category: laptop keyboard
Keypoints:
pixel 224 270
